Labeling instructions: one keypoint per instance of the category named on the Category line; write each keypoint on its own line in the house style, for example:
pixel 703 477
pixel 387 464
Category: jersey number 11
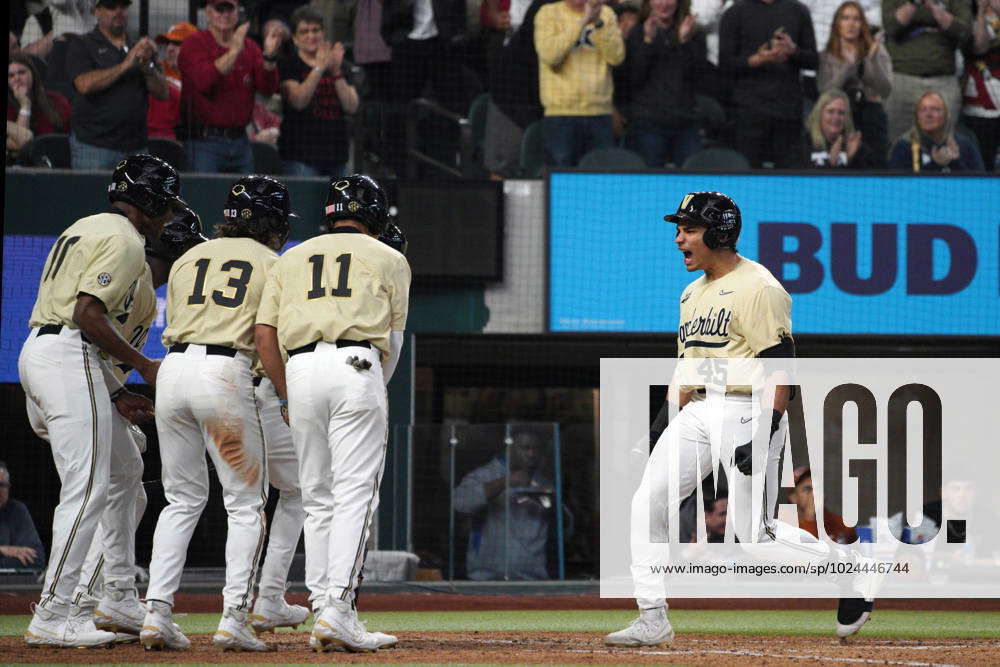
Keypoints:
pixel 318 291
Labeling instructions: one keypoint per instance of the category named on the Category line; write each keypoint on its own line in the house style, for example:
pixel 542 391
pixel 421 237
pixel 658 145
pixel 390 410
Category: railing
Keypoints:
pixel 464 165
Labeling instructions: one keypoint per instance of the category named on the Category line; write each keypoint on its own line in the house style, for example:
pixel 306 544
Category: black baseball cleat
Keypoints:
pixel 852 613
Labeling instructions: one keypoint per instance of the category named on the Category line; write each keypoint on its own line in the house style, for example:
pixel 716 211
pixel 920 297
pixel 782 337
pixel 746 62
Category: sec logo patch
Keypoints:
pixel 104 279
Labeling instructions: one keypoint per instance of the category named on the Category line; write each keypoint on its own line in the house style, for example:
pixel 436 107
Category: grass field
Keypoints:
pixel 885 623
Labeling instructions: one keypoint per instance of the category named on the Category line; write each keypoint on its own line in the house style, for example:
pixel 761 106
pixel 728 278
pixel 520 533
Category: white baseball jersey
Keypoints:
pixel 101 255
pixel 740 314
pixel 334 300
pixel 737 315
pixel 205 400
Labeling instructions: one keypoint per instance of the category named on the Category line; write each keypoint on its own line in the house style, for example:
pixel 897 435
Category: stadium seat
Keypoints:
pixel 712 114
pixel 47 150
pixel 532 151
pixel 170 150
pixel 612 158
pixel 721 159
pixel 266 159
pixel 477 122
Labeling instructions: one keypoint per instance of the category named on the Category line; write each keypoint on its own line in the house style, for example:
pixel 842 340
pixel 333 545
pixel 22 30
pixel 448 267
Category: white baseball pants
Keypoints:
pixel 61 376
pixel 338 418
pixel 683 456
pixel 206 401
pixel 283 474
pixel 111 559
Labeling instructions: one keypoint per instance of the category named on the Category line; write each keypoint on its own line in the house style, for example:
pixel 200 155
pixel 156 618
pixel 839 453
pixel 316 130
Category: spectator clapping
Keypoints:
pixel 931 145
pixel 113 77
pixel 832 138
pixel 857 62
pixel 317 97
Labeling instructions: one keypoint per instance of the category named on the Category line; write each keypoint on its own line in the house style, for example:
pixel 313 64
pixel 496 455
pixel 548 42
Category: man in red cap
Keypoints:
pixel 221 71
pixel 164 115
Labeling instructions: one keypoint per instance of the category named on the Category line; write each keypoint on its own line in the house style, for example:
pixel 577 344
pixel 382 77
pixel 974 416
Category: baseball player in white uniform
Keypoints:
pixel 271 610
pixel 205 400
pixel 107 584
pixel 90 278
pixel 337 305
pixel 737 309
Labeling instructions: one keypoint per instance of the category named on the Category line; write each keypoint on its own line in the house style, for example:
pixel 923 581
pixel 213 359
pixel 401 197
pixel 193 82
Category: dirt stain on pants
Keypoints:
pixel 228 438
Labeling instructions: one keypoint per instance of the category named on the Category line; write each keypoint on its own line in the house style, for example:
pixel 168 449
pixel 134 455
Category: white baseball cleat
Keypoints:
pixel 236 634
pixel 81 633
pixel 273 612
pixel 338 626
pixel 382 639
pixel 159 630
pixel 120 611
pixel 47 627
pixel 651 629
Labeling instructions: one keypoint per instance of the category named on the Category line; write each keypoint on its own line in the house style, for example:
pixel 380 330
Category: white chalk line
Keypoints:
pixel 758 654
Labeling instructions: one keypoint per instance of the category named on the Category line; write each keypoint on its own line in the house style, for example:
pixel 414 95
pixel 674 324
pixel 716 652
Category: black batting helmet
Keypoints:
pixel 148 183
pixel 260 206
pixel 357 197
pixel 179 235
pixel 715 211
pixel 394 237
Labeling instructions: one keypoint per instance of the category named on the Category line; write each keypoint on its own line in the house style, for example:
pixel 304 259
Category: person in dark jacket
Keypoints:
pixel 931 145
pixel 765 44
pixel 20 546
pixel 831 138
pixel 514 102
pixel 665 57
pixel 421 35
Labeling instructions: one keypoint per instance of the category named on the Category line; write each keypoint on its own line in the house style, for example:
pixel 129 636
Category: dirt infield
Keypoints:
pixel 549 648
pixel 190 603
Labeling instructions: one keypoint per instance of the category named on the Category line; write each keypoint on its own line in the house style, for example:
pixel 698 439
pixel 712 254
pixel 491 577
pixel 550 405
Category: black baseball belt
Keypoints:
pixel 220 350
pixel 342 342
pixel 54 329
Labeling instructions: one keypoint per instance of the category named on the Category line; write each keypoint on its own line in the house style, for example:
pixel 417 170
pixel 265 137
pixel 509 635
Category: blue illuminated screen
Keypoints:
pixel 858 254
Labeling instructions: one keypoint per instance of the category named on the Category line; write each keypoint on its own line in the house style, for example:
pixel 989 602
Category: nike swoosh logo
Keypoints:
pixel 723 292
pixel 686 297
pixel 745 421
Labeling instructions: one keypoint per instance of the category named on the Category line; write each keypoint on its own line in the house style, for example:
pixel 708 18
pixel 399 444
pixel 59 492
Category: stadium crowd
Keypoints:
pixel 909 85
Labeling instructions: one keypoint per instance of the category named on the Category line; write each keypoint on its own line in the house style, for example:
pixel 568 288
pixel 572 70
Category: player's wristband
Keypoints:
pixel 283 402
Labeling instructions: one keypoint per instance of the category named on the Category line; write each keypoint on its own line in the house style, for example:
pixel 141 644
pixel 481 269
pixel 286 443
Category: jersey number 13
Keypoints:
pixel 237 282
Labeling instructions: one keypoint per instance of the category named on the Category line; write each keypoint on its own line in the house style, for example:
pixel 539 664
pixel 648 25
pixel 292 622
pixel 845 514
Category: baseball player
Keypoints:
pixel 205 400
pixel 90 277
pixel 736 309
pixel 108 578
pixel 337 305
pixel 271 610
